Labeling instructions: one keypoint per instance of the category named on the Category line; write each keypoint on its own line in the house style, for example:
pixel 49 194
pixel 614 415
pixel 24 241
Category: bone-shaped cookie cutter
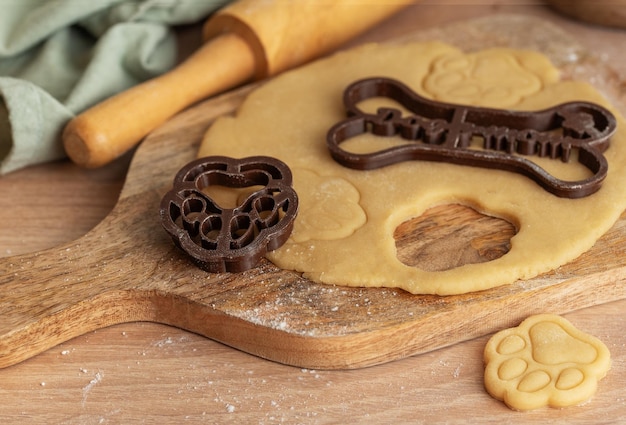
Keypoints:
pixel 444 132
pixel 220 239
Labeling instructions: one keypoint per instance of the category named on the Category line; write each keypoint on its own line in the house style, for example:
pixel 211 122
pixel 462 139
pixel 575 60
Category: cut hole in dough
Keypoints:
pixel 451 235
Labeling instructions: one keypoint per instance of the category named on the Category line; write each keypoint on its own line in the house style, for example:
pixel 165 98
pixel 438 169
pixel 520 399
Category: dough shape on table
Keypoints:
pixel 545 361
pixel 345 237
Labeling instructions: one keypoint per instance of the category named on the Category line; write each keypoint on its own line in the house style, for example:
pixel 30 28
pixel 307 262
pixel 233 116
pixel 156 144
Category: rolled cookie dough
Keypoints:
pixel 344 232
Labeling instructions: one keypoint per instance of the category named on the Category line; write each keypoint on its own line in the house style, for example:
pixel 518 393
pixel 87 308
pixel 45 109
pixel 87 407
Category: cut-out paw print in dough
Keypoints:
pixel 545 361
pixel 329 207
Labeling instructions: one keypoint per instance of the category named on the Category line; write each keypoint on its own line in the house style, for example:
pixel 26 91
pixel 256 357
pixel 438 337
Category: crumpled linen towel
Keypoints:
pixel 59 57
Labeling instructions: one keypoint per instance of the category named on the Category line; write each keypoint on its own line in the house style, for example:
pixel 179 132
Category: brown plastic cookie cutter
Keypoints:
pixel 222 239
pixel 444 132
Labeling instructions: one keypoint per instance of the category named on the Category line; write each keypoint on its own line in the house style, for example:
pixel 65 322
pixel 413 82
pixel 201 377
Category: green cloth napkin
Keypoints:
pixel 59 57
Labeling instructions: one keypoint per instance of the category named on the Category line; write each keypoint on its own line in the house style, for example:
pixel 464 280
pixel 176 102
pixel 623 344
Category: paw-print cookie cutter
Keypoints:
pixel 545 361
pixel 220 239
pixel 440 131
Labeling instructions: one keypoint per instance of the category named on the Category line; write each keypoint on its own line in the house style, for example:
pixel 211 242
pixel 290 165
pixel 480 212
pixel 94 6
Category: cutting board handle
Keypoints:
pixel 52 296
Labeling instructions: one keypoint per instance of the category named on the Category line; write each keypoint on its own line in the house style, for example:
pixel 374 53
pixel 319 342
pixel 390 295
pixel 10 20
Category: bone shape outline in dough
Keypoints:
pixel 446 131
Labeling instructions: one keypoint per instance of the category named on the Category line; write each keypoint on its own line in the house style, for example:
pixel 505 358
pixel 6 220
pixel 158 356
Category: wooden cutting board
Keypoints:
pixel 127 269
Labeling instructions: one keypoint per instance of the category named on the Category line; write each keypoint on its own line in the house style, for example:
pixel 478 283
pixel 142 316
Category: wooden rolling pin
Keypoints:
pixel 248 39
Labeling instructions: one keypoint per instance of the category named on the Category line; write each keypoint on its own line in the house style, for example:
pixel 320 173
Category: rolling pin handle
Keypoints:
pixel 111 128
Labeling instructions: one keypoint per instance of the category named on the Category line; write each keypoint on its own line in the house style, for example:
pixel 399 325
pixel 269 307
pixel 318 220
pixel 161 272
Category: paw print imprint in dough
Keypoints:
pixel 468 78
pixel 545 361
pixel 329 207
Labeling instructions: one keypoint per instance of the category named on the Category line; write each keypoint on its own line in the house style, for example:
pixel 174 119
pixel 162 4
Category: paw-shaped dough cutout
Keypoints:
pixel 545 361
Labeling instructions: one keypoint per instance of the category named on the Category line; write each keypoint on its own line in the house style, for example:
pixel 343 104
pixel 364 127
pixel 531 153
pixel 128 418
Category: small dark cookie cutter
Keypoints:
pixel 230 239
pixel 446 131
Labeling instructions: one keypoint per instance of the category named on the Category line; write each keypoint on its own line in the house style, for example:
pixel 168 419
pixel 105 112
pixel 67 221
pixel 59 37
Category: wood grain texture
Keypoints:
pixel 149 373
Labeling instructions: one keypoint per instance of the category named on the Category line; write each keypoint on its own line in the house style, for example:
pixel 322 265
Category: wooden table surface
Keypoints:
pixel 149 373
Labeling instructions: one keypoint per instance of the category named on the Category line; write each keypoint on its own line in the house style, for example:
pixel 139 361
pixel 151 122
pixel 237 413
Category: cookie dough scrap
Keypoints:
pixel 343 234
pixel 545 361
